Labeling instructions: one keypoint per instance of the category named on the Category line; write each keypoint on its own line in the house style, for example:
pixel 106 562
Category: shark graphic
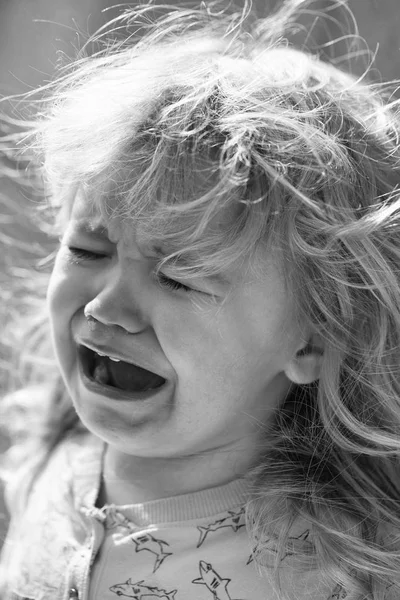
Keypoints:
pixel 213 582
pixel 299 543
pixel 153 545
pixel 235 520
pixel 115 519
pixel 339 593
pixel 138 591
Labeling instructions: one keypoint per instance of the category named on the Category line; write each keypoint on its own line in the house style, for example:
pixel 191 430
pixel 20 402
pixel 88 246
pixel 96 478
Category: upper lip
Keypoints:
pixel 112 353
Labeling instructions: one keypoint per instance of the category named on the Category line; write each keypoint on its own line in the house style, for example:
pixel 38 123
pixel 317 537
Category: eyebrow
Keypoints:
pixel 97 231
pixel 101 233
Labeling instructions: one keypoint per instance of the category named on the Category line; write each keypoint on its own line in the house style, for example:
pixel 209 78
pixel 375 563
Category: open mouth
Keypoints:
pixel 117 374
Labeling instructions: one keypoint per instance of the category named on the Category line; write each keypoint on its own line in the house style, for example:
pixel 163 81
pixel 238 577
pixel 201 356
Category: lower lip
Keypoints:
pixel 115 393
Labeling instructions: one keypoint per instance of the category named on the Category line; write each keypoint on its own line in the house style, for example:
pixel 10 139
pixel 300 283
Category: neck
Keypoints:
pixel 132 480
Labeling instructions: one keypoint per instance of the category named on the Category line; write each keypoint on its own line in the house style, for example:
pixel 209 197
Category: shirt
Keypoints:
pixel 194 546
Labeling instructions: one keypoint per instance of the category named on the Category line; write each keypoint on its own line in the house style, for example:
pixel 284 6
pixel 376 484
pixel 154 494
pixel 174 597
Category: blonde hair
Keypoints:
pixel 309 158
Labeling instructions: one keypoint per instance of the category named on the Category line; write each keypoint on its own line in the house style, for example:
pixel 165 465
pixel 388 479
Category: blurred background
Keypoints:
pixel 37 35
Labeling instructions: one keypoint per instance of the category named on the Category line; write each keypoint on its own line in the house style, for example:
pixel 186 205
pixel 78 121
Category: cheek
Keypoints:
pixel 201 343
pixel 266 325
pixel 187 337
pixel 65 293
pixel 64 300
pixel 54 294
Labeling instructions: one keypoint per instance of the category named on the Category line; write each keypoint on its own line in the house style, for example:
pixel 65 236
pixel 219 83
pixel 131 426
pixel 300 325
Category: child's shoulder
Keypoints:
pixel 33 416
pixel 24 411
pixel 31 458
pixel 303 577
pixel 57 473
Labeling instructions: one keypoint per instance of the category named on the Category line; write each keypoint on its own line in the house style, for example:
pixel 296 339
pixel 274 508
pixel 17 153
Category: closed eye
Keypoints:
pixel 83 254
pixel 172 284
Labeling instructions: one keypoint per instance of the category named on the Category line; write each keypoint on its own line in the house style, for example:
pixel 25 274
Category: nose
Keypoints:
pixel 116 304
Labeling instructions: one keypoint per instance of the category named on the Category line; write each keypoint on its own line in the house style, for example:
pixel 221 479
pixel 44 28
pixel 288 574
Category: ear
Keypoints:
pixel 305 365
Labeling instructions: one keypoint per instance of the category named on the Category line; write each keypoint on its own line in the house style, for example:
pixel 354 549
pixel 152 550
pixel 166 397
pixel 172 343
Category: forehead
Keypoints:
pixel 89 218
pixel 101 216
pixel 171 186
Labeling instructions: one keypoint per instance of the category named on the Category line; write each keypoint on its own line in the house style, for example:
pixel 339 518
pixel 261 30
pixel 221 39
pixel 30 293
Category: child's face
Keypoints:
pixel 224 358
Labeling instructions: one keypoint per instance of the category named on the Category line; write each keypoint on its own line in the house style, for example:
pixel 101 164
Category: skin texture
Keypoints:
pixel 229 354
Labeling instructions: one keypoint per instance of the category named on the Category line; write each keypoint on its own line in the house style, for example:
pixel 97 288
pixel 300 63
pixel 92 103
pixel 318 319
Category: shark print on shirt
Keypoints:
pixel 213 582
pixel 299 544
pixel 115 519
pixel 153 545
pixel 139 591
pixel 339 593
pixel 235 520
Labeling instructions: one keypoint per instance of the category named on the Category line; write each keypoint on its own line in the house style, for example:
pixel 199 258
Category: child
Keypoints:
pixel 224 314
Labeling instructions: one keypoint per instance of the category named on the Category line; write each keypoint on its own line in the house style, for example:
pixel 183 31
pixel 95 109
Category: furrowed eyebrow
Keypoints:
pixel 97 231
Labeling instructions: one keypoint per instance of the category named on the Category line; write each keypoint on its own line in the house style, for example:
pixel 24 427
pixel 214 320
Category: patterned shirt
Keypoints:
pixel 194 546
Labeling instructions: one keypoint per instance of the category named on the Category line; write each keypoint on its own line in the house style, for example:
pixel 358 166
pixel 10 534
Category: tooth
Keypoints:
pixel 114 359
pixel 100 354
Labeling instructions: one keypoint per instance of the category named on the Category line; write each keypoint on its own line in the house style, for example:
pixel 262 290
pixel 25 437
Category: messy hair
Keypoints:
pixel 306 159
